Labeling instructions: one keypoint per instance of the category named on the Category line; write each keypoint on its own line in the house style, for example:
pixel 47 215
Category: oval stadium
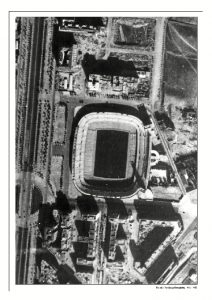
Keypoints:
pixel 110 150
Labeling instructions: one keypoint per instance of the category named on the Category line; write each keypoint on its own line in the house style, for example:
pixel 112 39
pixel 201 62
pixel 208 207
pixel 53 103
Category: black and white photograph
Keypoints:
pixel 106 144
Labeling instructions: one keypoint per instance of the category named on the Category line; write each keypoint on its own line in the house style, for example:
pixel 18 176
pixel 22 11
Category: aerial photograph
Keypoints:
pixel 106 141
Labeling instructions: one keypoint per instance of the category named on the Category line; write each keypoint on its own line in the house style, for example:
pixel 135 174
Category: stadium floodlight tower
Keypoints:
pixel 111 148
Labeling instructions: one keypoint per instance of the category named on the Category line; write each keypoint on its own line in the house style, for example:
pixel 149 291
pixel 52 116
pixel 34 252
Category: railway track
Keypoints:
pixel 23 234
